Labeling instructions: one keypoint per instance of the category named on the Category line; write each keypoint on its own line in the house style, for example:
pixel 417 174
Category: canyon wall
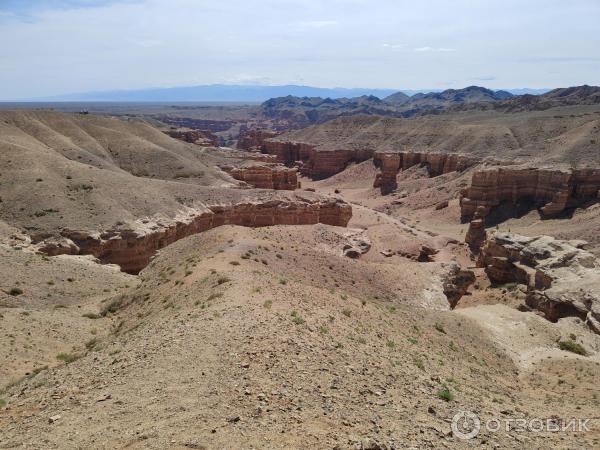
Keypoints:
pixel 325 163
pixel 272 176
pixel 197 137
pixel 562 279
pixel 252 140
pixel 552 190
pixel 132 249
pixel 316 164
pixel 437 164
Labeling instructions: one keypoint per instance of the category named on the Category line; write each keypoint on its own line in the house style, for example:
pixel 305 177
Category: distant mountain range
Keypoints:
pixel 299 112
pixel 217 93
pixel 239 93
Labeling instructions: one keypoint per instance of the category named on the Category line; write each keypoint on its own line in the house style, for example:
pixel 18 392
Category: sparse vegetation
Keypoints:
pixel 573 347
pixel 439 327
pixel 112 307
pixel 223 280
pixel 67 357
pixel 445 394
pixel 296 318
pixel 15 291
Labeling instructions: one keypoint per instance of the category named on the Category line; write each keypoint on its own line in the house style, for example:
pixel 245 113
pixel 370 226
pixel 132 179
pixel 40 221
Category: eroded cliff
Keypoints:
pixel 268 176
pixel 133 248
pixel 550 190
pixel 197 137
pixel 436 163
pixel 313 163
pixel 562 279
pixel 253 139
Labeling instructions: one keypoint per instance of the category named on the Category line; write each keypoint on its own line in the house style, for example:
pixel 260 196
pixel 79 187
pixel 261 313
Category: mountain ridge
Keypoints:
pixel 235 93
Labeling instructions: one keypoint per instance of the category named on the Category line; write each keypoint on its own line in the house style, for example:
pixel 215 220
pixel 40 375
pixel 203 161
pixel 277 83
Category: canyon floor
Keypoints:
pixel 304 334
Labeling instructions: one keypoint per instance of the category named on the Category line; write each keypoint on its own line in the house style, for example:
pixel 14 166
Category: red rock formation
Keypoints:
pixel 312 163
pixel 252 140
pixel 132 249
pixel 476 234
pixel 552 190
pixel 390 165
pixel 437 164
pixel 197 137
pixel 272 176
pixel 562 279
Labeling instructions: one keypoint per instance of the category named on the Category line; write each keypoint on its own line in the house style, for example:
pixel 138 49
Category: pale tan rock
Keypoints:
pixel 562 280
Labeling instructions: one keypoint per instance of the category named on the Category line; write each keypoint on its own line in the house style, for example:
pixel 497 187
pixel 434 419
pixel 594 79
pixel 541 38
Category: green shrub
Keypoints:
pixel 15 291
pixel 296 318
pixel 445 394
pixel 67 357
pixel 573 347
pixel 112 307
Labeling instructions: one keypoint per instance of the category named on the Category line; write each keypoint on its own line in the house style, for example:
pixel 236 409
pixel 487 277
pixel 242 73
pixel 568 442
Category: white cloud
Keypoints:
pixel 130 44
pixel 434 49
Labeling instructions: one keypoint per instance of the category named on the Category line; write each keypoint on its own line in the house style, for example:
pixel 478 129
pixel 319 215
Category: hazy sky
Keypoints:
pixel 51 47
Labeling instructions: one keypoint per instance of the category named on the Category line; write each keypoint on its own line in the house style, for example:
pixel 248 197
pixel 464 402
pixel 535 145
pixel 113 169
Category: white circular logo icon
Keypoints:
pixel 465 425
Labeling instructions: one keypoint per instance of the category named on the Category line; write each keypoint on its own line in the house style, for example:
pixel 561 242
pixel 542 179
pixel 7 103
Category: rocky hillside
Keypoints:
pixel 300 112
pixel 120 190
pixel 438 101
pixel 328 317
pixel 572 96
pixel 243 336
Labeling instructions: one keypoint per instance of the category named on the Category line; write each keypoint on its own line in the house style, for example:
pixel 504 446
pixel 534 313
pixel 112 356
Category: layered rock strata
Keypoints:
pixel 562 279
pixel 252 140
pixel 437 164
pixel 316 164
pixel 550 190
pixel 194 137
pixel 132 249
pixel 476 234
pixel 272 176
pixel 320 163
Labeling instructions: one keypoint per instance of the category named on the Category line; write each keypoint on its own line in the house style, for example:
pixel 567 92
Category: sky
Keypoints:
pixel 53 47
